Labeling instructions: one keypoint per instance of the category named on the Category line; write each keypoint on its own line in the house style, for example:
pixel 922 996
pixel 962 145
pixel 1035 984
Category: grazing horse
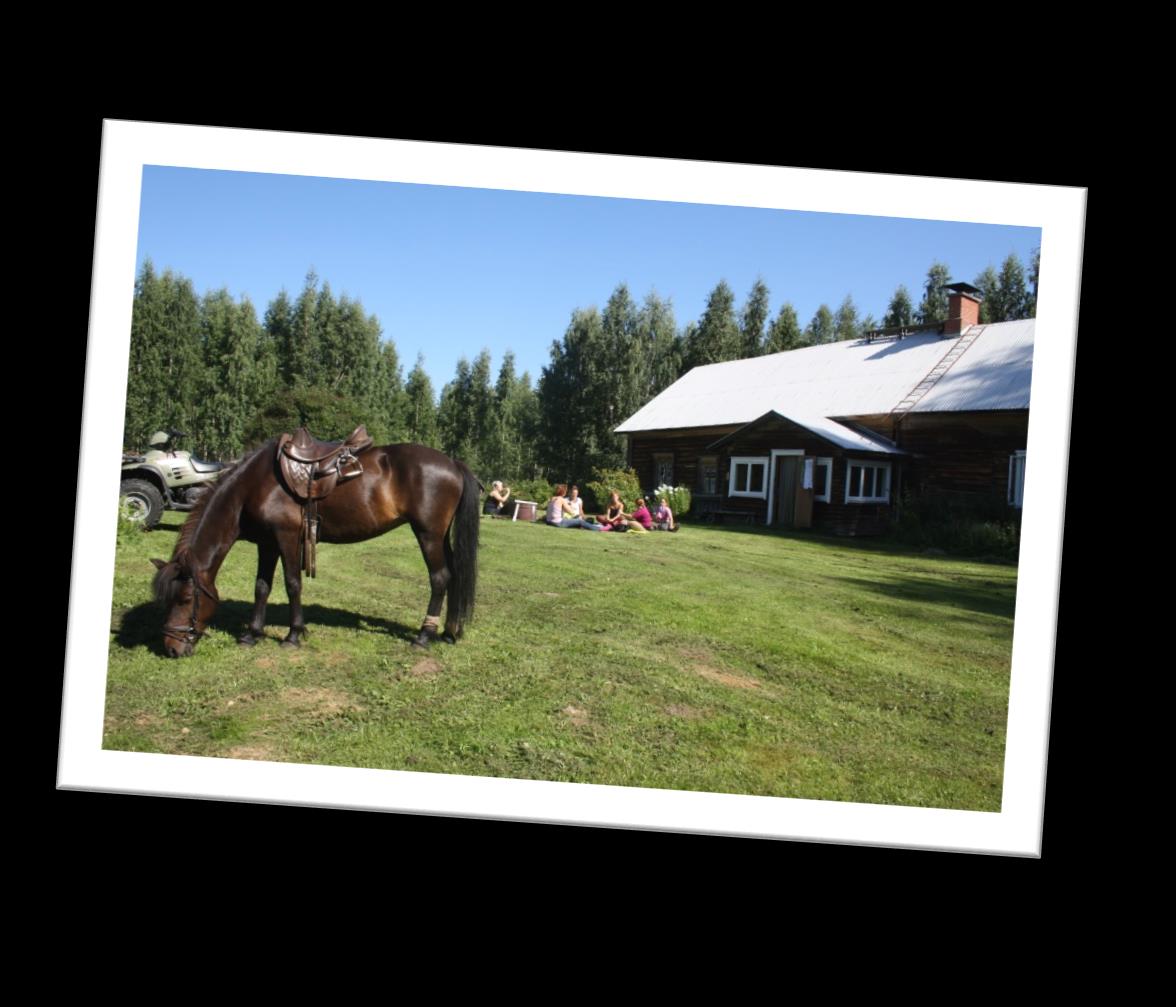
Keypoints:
pixel 400 483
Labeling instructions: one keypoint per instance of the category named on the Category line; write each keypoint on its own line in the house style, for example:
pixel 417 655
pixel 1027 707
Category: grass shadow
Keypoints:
pixel 142 625
pixel 972 594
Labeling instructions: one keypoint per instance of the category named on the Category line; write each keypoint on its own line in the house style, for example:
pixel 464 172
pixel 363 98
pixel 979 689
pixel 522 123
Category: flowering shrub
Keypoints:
pixel 678 497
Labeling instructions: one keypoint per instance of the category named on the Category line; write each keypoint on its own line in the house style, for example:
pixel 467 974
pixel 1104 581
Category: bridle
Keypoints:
pixel 190 634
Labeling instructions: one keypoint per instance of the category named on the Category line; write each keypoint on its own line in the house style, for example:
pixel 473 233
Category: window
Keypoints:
pixel 749 478
pixel 663 470
pixel 1016 478
pixel 822 479
pixel 708 475
pixel 867 482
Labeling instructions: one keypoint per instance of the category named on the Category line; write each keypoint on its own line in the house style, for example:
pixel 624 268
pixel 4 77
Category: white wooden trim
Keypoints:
pixel 777 453
pixel 885 466
pixel 827 464
pixel 1016 494
pixel 749 460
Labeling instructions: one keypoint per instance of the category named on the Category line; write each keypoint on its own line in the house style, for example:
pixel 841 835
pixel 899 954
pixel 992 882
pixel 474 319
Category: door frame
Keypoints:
pixel 777 453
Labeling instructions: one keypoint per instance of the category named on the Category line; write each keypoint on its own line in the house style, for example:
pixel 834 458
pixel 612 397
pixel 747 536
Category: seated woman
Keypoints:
pixel 560 515
pixel 575 503
pixel 640 519
pixel 496 500
pixel 663 517
pixel 614 517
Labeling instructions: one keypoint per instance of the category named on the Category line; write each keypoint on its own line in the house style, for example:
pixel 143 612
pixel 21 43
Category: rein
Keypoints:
pixel 189 633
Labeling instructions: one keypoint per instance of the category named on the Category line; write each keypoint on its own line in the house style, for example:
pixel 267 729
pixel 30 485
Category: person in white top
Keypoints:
pixel 575 504
pixel 561 515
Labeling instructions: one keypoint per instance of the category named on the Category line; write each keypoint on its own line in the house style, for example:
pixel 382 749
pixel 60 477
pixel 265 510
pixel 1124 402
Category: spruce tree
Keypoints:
pixel 933 307
pixel 752 319
pixel 988 284
pixel 784 332
pixel 822 328
pixel 899 311
pixel 717 337
pixel 845 323
pixel 1013 297
pixel 420 408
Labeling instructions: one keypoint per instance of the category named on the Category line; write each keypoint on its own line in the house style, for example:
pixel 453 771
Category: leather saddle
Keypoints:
pixel 311 469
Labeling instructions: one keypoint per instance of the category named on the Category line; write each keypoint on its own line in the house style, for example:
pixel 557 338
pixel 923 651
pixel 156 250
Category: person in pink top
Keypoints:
pixel 640 519
pixel 663 517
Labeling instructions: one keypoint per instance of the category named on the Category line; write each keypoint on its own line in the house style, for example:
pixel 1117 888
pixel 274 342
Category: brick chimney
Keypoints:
pixel 963 308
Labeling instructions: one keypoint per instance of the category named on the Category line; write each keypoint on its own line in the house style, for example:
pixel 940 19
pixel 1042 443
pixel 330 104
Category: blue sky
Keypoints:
pixel 450 271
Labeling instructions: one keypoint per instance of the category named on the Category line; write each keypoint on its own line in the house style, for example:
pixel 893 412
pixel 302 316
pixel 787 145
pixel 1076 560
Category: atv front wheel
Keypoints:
pixel 141 502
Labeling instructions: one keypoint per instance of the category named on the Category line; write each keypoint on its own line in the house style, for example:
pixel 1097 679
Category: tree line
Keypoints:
pixel 208 366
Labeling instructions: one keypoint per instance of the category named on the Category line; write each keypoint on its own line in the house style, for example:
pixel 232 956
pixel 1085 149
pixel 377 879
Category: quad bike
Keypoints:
pixel 163 479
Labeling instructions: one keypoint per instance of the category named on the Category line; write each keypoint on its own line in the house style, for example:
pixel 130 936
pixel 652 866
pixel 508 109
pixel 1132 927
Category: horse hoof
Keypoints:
pixel 449 638
pixel 248 640
pixel 422 642
pixel 291 644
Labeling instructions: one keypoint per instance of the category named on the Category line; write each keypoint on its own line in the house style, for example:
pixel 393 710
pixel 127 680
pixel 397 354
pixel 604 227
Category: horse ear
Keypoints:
pixel 158 564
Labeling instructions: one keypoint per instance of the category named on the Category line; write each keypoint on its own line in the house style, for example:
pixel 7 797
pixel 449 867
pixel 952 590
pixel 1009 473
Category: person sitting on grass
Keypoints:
pixel 614 517
pixel 496 500
pixel 560 515
pixel 640 519
pixel 575 503
pixel 663 517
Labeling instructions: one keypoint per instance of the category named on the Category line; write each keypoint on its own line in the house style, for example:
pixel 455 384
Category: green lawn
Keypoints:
pixel 723 660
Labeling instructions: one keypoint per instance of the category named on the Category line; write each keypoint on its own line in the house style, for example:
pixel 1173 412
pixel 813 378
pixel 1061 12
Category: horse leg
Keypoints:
pixel 452 626
pixel 291 568
pixel 267 560
pixel 433 549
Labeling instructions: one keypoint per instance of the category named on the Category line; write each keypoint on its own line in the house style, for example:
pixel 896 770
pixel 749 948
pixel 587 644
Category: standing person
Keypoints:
pixel 560 515
pixel 663 517
pixel 496 499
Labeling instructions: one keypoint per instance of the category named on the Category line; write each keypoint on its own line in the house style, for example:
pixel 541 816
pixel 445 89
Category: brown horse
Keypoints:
pixel 400 483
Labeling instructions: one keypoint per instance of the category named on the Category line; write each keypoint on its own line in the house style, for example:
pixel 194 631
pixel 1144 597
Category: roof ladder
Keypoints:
pixel 917 393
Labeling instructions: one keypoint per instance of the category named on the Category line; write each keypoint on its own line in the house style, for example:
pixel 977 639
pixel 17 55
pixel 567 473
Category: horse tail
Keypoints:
pixel 466 525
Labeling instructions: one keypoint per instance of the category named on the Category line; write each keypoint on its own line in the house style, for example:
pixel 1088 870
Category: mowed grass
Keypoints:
pixel 717 659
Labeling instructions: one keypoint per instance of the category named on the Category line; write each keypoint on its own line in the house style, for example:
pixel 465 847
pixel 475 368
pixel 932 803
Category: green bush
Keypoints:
pixel 958 524
pixel 678 498
pixel 604 482
pixel 538 490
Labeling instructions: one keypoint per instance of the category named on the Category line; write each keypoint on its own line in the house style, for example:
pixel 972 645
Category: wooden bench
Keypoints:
pixel 710 511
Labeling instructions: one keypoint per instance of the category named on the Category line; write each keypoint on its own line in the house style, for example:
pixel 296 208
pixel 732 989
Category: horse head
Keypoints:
pixel 190 598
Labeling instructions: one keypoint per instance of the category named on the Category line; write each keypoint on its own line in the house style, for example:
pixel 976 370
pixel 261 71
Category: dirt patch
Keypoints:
pixel 725 677
pixel 577 716
pixel 265 662
pixel 428 667
pixel 258 753
pixel 147 720
pixel 317 700
pixel 701 663
pixel 682 710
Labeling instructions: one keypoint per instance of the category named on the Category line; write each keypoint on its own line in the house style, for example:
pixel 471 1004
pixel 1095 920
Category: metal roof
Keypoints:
pixel 995 372
pixel 852 378
pixel 830 430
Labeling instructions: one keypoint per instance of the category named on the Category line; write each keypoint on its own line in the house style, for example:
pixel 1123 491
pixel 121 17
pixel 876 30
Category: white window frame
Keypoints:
pixel 879 467
pixel 749 460
pixel 1016 494
pixel 827 465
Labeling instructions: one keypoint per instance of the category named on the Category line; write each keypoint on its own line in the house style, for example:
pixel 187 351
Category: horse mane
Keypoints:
pixel 168 576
